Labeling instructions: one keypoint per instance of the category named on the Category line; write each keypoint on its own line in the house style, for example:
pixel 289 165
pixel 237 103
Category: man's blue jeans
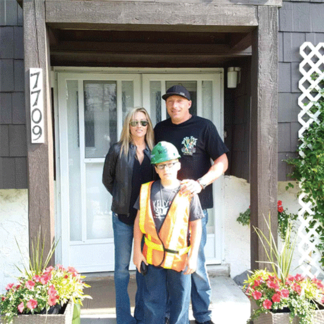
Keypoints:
pixel 161 284
pixel 123 236
pixel 200 286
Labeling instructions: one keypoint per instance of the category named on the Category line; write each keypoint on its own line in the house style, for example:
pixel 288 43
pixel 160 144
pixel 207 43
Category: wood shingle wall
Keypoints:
pixel 13 146
pixel 298 22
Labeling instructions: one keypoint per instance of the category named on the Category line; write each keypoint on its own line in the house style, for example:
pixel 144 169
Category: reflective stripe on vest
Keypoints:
pixel 170 245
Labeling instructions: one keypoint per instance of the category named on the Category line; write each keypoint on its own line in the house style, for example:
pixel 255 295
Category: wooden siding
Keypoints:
pixel 264 135
pixel 151 16
pixel 298 23
pixel 204 2
pixel 13 152
pixel 40 156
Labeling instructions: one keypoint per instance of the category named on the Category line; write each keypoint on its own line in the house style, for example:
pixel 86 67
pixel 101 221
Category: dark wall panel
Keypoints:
pixel 13 147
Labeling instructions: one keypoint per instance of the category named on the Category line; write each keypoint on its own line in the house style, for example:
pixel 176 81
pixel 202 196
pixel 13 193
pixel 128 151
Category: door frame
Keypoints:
pixel 59 77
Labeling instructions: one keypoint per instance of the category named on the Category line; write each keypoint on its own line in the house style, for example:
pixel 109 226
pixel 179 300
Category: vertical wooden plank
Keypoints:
pixel 40 156
pixel 264 133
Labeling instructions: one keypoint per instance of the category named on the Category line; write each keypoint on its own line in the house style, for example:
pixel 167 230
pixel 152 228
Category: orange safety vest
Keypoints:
pixel 168 248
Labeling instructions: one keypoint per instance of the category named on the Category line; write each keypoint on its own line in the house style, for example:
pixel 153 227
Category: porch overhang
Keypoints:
pixel 251 30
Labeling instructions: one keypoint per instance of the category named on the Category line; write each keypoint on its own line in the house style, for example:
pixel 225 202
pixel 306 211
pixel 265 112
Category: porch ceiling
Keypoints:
pixel 75 47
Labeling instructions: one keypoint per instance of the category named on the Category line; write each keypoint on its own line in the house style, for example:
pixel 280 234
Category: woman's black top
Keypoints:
pixel 141 174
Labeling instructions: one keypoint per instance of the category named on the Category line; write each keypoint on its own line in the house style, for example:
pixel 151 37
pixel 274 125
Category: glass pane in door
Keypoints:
pixel 207 112
pixel 74 161
pixel 191 86
pixel 155 100
pixel 100 117
pixel 127 97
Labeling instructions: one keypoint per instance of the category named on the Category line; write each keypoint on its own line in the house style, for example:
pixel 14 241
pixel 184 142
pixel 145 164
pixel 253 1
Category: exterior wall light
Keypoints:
pixel 233 76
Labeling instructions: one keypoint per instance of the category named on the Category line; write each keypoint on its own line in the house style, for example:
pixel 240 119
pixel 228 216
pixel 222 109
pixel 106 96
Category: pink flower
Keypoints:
pixel 21 307
pixel 276 298
pixel 49 269
pixel 45 278
pixel 30 284
pixel 9 286
pixel 284 293
pixel 36 278
pixel 256 283
pixel 256 295
pixel 32 304
pixel 267 304
pixel 73 271
pixel 60 267
pixel 52 300
pixel 299 277
pixel 272 285
pixel 51 291
pixel 296 288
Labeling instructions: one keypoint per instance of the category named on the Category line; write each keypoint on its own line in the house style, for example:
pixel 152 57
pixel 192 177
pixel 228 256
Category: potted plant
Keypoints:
pixel 277 296
pixel 47 293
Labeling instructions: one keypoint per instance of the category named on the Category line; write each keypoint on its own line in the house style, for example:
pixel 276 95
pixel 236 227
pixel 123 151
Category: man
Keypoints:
pixel 198 141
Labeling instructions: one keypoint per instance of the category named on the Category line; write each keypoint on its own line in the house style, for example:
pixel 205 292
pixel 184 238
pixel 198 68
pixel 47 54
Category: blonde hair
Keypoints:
pixel 126 137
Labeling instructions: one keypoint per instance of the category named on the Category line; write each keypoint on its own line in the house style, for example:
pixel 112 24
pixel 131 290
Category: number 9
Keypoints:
pixel 39 132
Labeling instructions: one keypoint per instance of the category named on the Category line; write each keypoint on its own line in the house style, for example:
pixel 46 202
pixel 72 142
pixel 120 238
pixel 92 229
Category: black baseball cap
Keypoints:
pixel 177 90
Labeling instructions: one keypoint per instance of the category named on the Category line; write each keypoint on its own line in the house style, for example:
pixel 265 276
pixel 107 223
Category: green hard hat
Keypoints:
pixel 164 151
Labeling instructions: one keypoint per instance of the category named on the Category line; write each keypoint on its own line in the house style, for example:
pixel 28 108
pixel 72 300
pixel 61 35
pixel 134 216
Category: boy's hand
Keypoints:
pixel 137 259
pixel 191 265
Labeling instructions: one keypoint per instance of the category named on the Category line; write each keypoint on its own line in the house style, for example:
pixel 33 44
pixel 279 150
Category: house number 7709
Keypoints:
pixel 36 105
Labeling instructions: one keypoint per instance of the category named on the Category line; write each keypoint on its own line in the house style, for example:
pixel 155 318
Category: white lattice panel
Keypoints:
pixel 313 62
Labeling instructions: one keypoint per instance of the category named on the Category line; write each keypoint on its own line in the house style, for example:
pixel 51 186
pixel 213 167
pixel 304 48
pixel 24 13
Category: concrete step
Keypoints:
pixel 229 305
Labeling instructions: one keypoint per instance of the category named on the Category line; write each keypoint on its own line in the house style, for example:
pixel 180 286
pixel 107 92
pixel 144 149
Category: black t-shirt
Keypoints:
pixel 140 176
pixel 161 199
pixel 197 141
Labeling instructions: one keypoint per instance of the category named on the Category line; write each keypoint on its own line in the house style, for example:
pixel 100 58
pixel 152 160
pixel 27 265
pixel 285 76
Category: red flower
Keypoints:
pixel 280 209
pixel 51 291
pixel 272 285
pixel 49 269
pixel 267 304
pixel 284 293
pixel 36 278
pixel 279 202
pixel 45 278
pixel 9 286
pixel 256 283
pixel 21 307
pixel 296 288
pixel 256 295
pixel 3 298
pixel 32 304
pixel 276 298
pixel 30 284
pixel 52 300
pixel 299 277
pixel 73 271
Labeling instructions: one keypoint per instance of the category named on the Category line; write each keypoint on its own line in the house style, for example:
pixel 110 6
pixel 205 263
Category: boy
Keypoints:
pixel 171 224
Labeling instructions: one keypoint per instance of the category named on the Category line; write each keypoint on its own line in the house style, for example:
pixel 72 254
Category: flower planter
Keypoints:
pixel 283 318
pixel 65 318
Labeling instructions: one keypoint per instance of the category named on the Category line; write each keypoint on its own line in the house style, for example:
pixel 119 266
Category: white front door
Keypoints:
pixel 91 110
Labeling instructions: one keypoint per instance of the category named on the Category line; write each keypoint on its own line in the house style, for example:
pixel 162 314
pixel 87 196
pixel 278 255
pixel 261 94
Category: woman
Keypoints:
pixel 127 167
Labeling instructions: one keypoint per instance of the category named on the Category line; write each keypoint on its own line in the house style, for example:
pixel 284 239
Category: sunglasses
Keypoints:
pixel 163 166
pixel 134 123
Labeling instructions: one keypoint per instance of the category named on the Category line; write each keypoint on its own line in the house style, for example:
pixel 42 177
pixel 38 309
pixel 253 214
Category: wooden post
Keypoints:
pixel 40 156
pixel 264 133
